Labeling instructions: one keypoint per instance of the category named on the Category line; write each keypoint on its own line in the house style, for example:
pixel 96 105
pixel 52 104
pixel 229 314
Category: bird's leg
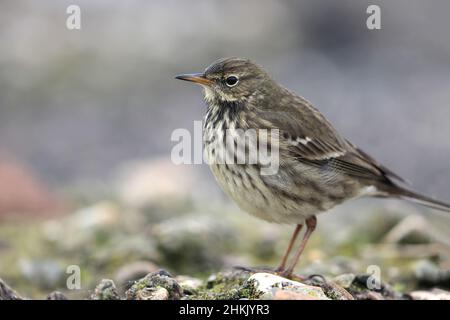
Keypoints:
pixel 288 251
pixel 310 227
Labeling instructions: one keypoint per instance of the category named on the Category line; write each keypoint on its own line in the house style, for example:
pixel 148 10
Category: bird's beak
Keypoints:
pixel 194 77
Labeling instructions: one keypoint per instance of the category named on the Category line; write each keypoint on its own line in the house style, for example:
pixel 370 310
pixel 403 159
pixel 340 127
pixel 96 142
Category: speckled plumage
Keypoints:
pixel 318 168
pixel 299 190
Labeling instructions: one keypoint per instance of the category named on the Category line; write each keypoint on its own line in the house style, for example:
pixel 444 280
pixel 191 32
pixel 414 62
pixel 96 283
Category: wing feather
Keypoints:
pixel 311 138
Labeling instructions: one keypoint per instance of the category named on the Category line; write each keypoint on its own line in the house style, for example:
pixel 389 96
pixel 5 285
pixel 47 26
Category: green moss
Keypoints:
pixel 249 291
pixel 227 286
pixel 154 281
pixel 106 290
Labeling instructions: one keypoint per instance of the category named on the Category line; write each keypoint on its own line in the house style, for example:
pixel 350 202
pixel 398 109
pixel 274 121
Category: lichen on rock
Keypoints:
pixel 226 285
pixel 150 287
pixel 6 293
pixel 105 290
pixel 269 286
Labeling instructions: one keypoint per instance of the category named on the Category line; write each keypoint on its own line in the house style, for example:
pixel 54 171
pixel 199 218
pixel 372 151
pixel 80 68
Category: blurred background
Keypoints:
pixel 86 118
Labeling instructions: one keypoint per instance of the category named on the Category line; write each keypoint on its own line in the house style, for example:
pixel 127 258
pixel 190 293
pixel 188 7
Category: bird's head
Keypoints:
pixel 229 79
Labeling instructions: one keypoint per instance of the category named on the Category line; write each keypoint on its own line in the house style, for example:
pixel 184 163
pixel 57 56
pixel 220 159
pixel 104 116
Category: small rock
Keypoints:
pixel 290 295
pixel 429 275
pixel 192 243
pixel 153 294
pixel 435 294
pixel 344 280
pixel 105 290
pixel 83 227
pixel 267 284
pixel 331 289
pixel 412 229
pixel 148 287
pixel 56 295
pixel 229 285
pixel 369 295
pixel 131 272
pixel 6 293
pixel 365 286
pixel 189 284
pixel 149 181
pixel 96 216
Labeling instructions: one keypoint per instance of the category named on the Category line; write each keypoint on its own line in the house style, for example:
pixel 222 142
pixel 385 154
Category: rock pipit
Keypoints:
pixel 317 168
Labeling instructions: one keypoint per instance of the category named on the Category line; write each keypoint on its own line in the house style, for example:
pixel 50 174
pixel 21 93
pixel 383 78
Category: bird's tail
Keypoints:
pixel 421 199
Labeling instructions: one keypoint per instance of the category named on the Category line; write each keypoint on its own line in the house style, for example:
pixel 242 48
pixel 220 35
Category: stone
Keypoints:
pixel 193 243
pixel 435 294
pixel 153 294
pixel 429 274
pixel 291 295
pixel 228 285
pixel 149 287
pixel 6 293
pixel 56 295
pixel 189 284
pixel 96 216
pixel 133 271
pixel 344 280
pixel 369 295
pixel 83 226
pixel 105 290
pixel 332 289
pixel 413 229
pixel 268 284
pixel 365 287
pixel 144 182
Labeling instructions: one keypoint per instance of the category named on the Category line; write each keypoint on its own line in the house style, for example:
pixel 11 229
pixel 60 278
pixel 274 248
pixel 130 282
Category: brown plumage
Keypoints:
pixel 317 168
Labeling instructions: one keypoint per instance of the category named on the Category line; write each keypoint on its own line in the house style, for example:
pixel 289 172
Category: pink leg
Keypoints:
pixel 310 227
pixel 291 244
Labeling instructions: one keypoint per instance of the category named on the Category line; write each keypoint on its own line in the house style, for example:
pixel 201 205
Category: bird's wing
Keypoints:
pixel 304 129
pixel 311 138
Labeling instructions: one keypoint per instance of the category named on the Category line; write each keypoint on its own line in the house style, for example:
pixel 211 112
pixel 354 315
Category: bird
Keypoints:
pixel 317 167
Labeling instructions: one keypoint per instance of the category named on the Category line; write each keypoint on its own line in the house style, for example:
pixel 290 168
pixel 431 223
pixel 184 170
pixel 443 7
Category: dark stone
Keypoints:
pixel 105 290
pixel 6 293
pixel 144 288
pixel 56 295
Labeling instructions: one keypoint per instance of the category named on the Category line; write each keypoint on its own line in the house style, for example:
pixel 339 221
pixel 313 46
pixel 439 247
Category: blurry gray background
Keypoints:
pixel 86 119
pixel 75 105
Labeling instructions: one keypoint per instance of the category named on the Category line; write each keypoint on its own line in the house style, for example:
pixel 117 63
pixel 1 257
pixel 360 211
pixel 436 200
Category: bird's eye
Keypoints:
pixel 231 81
